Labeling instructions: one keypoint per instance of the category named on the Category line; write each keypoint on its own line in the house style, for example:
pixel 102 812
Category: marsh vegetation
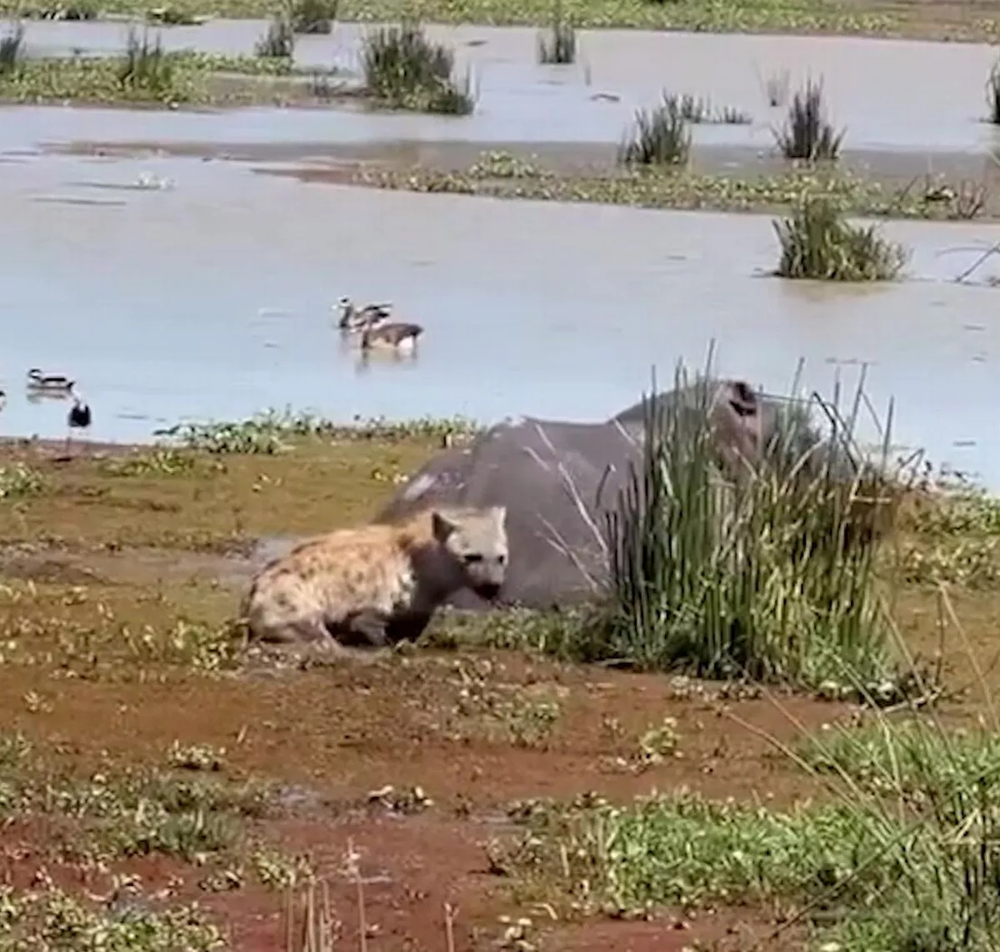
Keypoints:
pixel 659 136
pixel 818 243
pixel 758 578
pixel 402 69
pixel 807 135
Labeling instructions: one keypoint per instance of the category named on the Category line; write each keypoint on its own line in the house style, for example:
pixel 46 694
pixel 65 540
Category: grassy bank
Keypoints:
pixel 162 787
pixel 804 16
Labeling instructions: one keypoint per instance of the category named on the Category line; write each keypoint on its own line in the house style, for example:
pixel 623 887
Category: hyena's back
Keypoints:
pixel 319 585
pixel 381 582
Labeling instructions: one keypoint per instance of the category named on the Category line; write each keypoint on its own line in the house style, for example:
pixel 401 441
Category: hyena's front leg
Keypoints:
pixel 372 625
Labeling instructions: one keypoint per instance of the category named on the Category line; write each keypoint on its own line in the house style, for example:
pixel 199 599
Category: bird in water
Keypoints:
pixel 355 319
pixel 79 418
pixel 49 383
pixel 396 335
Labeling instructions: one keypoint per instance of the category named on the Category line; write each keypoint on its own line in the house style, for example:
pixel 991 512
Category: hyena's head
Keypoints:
pixel 476 543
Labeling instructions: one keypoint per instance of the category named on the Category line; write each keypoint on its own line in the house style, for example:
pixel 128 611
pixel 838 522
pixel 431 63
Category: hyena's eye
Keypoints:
pixel 472 558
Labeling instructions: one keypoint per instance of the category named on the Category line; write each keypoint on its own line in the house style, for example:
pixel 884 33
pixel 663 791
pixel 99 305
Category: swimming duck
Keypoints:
pixel 393 335
pixel 50 382
pixel 355 319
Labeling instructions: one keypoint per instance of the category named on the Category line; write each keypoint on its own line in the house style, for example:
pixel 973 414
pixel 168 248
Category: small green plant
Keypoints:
pixel 196 757
pixel 147 66
pixel 807 135
pixel 660 136
pixel 20 480
pixel 993 94
pixel 279 40
pixel 12 50
pixel 817 243
pixel 313 16
pixel 557 45
pixel 404 70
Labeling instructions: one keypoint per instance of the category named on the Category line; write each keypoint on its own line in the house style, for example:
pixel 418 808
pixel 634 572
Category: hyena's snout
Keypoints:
pixel 486 577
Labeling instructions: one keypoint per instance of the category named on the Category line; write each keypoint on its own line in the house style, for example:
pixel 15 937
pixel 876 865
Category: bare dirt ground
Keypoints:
pixel 113 594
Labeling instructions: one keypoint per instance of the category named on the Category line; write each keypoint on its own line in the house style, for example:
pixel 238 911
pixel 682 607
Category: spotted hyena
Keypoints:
pixel 380 583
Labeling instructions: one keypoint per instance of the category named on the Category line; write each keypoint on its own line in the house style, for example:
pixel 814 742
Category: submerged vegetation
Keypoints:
pixel 502 174
pixel 816 242
pixel 404 70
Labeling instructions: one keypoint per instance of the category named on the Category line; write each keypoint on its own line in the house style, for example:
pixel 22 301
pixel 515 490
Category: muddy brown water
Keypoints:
pixel 900 95
pixel 212 299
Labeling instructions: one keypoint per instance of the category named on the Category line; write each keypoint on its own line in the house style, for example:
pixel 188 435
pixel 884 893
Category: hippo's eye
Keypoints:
pixel 472 558
pixel 501 559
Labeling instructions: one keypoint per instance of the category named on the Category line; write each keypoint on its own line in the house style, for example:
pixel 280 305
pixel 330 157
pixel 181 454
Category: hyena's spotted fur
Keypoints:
pixel 379 583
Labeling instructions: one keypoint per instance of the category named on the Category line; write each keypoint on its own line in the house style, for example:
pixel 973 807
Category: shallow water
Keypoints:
pixel 212 300
pixel 897 95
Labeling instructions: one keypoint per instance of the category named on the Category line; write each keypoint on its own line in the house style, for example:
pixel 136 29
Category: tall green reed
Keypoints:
pixel 759 565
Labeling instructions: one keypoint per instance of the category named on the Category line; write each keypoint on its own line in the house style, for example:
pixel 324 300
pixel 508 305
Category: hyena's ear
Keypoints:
pixel 441 526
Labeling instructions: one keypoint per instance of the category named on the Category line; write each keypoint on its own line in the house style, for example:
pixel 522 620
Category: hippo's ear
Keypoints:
pixel 499 515
pixel 441 526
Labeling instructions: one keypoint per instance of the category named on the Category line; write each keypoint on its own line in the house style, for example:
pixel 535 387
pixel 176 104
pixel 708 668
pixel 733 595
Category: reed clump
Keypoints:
pixel 817 243
pixel 12 50
pixel 557 45
pixel 807 135
pixel 659 136
pixel 278 42
pixel 993 94
pixel 313 16
pixel 147 68
pixel 764 569
pixel 403 69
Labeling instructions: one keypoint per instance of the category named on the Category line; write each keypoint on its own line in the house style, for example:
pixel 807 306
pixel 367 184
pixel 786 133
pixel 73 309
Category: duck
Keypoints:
pixel 393 335
pixel 355 319
pixel 50 382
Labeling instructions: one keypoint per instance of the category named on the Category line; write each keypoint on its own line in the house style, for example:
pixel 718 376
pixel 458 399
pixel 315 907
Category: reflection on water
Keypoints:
pixel 213 300
pixel 929 94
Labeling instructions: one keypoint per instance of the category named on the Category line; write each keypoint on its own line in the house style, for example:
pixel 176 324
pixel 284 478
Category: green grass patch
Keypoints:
pixel 19 480
pixel 134 813
pixel 275 431
pixel 817 243
pixel 901 855
pixel 499 174
pixel 52 919
pixel 732 16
